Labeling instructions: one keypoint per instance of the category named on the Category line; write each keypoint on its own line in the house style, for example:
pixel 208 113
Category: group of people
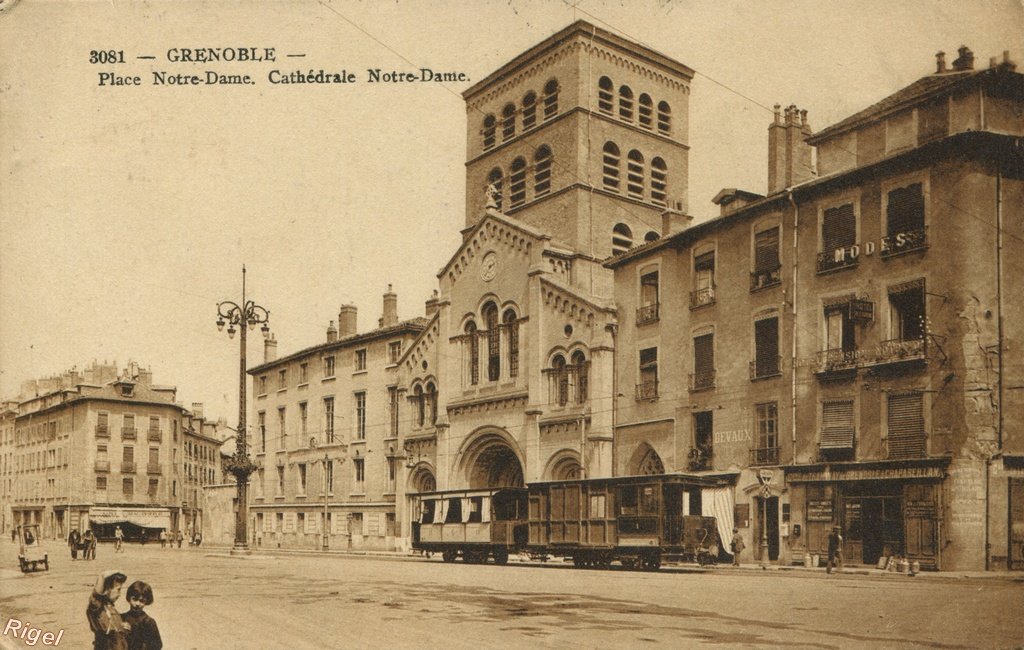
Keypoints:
pixel 112 630
pixel 835 548
pixel 86 543
pixel 170 537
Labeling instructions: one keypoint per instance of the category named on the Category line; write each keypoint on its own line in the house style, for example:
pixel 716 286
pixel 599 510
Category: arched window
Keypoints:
pixel 582 369
pixel 508 122
pixel 511 322
pixel 431 399
pixel 659 181
pixel 489 126
pixel 550 99
pixel 474 353
pixel 605 93
pixel 622 238
pixel 635 174
pixel 651 236
pixel 646 111
pixel 517 183
pixel 529 110
pixel 610 166
pixel 494 179
pixel 561 380
pixel 490 314
pixel 542 171
pixel 625 104
pixel 417 397
pixel 664 118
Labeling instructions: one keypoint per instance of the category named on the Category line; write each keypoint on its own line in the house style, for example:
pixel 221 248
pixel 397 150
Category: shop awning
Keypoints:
pixel 143 517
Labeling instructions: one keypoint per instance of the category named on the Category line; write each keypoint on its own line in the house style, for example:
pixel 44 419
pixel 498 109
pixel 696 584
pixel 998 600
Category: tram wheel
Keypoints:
pixel 449 555
pixel 500 555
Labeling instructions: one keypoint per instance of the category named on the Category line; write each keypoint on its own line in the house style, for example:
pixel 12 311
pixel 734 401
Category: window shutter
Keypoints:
pixel 705 262
pixel 839 228
pixel 704 354
pixel 837 425
pixel 905 212
pixel 766 250
pixel 766 343
pixel 906 426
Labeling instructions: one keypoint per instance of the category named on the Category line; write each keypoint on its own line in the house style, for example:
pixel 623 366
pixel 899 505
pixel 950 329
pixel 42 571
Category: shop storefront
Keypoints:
pixel 137 524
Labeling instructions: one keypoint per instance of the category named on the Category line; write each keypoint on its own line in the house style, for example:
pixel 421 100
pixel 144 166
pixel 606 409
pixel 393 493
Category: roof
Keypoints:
pixel 414 325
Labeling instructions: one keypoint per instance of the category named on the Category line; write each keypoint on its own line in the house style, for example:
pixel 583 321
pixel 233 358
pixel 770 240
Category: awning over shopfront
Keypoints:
pixel 143 517
pixel 720 504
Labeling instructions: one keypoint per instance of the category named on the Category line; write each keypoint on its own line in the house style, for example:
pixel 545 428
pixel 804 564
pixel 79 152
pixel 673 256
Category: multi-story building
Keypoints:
pixel 323 433
pixel 200 465
pixel 866 371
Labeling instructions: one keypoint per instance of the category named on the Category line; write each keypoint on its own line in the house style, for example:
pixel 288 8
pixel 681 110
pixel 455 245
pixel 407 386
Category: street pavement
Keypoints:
pixel 206 599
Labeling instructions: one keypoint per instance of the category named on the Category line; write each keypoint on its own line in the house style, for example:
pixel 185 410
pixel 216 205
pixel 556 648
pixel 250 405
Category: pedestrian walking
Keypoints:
pixel 163 538
pixel 118 540
pixel 835 550
pixel 737 546
pixel 89 545
pixel 108 628
pixel 74 539
pixel 144 634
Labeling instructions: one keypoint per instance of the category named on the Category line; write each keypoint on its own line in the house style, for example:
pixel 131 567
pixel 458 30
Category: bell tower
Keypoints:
pixel 585 137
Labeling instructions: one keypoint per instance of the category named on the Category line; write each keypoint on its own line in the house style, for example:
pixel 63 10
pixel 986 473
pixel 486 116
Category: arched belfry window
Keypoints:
pixel 659 181
pixel 551 99
pixel 511 322
pixel 560 378
pixel 490 314
pixel 494 179
pixel 646 111
pixel 622 238
pixel 605 95
pixel 473 344
pixel 635 174
pixel 417 398
pixel 508 122
pixel 529 111
pixel 610 166
pixel 664 118
pixel 489 127
pixel 542 171
pixel 517 183
pixel 625 104
pixel 582 369
pixel 431 399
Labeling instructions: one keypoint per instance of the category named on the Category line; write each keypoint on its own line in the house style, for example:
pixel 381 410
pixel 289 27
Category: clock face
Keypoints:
pixel 489 266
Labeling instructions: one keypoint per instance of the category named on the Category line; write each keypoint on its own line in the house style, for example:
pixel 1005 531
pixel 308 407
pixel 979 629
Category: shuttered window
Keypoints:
pixel 839 228
pixel 766 347
pixel 905 211
pixel 906 426
pixel 837 428
pixel 766 250
pixel 604 95
pixel 704 355
pixel 517 179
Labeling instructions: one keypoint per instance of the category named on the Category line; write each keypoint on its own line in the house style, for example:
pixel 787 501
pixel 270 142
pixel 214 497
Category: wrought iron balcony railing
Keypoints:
pixel 102 431
pixel 900 350
pixel 904 242
pixel 766 278
pixel 153 468
pixel 128 467
pixel 647 390
pixel 128 433
pixel 831 261
pixel 702 297
pixel 764 456
pixel 702 380
pixel 770 367
pixel 102 466
pixel 647 314
pixel 155 435
pixel 837 360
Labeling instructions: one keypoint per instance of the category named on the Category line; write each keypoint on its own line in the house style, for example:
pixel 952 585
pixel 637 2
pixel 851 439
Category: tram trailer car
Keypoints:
pixel 635 520
pixel 474 524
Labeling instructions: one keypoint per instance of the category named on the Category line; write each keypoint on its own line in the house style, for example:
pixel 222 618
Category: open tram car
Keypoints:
pixel 637 521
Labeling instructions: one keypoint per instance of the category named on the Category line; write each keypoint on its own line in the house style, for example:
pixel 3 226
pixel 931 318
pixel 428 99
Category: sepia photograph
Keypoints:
pixel 511 324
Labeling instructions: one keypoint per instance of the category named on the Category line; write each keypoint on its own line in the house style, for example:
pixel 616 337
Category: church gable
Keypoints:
pixel 422 350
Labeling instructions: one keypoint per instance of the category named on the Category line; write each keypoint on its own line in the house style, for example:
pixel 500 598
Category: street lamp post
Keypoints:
pixel 244 316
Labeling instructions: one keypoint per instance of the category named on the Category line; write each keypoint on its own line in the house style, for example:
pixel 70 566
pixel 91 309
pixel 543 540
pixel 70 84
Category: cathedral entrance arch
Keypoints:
pixel 421 479
pixel 564 466
pixel 645 461
pixel 491 459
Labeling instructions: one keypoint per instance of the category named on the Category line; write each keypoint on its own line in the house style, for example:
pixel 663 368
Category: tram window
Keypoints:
pixel 475 510
pixel 597 506
pixel 427 516
pixel 454 511
pixel 648 500
pixel 505 508
pixel 628 500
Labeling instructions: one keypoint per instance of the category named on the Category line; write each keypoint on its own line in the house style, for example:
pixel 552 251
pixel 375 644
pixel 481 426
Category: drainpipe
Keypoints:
pixel 999 361
pixel 793 328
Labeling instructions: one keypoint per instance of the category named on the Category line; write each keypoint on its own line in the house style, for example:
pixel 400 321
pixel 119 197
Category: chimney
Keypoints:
pixel 966 59
pixel 789 156
pixel 197 410
pixel 269 349
pixel 673 220
pixel 940 62
pixel 332 333
pixel 347 321
pixel 390 317
pixel 432 306
pixel 1007 64
pixel 145 376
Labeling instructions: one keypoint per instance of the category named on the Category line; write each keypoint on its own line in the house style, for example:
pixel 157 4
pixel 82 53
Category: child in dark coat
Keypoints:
pixel 109 630
pixel 144 634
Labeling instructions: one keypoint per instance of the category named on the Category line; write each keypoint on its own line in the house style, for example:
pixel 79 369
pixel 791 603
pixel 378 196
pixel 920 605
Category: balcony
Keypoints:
pixel 154 435
pixel 102 431
pixel 835 260
pixel 837 361
pixel 702 297
pixel 764 456
pixel 647 390
pixel 904 242
pixel 153 468
pixel 765 279
pixel 128 467
pixel 699 458
pixel 102 466
pixel 647 314
pixel 897 351
pixel 128 434
pixel 763 368
pixel 702 380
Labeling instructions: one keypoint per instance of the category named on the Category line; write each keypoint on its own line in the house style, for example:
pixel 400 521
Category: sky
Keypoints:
pixel 127 212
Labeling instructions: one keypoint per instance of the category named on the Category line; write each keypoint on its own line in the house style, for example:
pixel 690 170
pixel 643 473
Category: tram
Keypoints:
pixel 473 524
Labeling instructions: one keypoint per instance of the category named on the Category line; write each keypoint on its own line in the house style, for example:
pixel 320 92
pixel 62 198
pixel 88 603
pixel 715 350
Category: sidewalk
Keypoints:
pixel 862 570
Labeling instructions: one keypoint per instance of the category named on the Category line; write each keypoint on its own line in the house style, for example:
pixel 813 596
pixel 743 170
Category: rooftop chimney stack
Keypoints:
pixel 940 62
pixel 390 318
pixel 197 410
pixel 347 321
pixel 432 304
pixel 789 157
pixel 965 61
pixel 269 349
pixel 332 333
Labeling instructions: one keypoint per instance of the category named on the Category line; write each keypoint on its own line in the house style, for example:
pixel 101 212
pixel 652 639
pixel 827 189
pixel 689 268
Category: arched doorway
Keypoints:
pixel 422 480
pixel 645 462
pixel 564 467
pixel 490 460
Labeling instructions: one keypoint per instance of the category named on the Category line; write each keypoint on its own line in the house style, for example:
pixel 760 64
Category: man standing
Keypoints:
pixel 737 546
pixel 835 550
pixel 118 540
pixel 74 539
